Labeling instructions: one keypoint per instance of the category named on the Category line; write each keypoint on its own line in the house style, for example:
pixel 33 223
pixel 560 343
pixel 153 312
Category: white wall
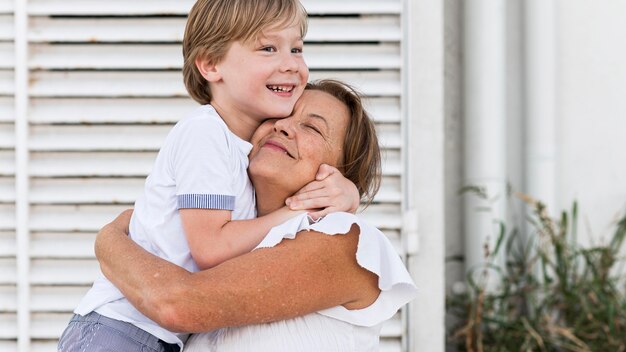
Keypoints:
pixel 591 109
pixel 590 100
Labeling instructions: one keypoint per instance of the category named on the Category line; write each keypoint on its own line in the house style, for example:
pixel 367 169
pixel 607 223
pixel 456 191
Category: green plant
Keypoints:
pixel 552 294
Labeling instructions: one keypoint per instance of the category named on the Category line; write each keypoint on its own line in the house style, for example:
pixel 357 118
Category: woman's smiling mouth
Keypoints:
pixel 277 146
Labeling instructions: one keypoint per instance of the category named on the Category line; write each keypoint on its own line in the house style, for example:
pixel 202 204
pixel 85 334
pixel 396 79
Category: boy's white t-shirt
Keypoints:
pixel 201 164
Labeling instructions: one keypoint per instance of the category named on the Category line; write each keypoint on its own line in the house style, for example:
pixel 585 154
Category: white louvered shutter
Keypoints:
pixel 104 89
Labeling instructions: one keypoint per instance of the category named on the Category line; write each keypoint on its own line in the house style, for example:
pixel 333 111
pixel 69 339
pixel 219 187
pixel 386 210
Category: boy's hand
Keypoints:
pixel 329 192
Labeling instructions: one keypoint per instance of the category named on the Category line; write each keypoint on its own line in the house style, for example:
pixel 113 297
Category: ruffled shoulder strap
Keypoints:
pixel 374 253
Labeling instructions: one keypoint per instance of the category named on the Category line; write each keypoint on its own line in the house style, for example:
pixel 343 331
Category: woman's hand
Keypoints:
pixel 119 226
pixel 330 192
pixel 122 221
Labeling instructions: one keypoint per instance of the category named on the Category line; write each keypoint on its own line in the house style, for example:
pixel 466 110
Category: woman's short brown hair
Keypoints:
pixel 213 25
pixel 361 152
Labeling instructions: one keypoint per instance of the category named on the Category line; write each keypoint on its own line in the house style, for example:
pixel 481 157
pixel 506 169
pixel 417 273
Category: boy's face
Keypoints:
pixel 261 78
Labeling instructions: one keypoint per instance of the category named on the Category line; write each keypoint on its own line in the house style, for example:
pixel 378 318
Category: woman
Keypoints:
pixel 318 292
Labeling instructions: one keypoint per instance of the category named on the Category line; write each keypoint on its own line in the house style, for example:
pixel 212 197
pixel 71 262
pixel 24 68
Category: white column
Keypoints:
pixel 423 107
pixel 484 123
pixel 540 93
pixel 21 176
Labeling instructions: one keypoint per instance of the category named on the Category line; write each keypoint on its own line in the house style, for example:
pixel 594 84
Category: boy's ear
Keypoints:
pixel 207 69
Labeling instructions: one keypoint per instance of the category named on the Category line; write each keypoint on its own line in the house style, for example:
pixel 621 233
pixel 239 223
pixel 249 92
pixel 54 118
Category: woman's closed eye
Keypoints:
pixel 314 129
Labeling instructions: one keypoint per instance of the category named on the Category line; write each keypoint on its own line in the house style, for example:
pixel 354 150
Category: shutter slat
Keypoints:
pixel 48 325
pixel 7 86
pixel 7 163
pixel 6 6
pixel 82 218
pixel 57 298
pixel 316 7
pixel 7 109
pixel 390 345
pixel 63 245
pixel 384 110
pixel 7 59
pixel 7 31
pixel 383 216
pixel 163 30
pixel 7 136
pixel 7 217
pixel 86 191
pixel 8 298
pixel 138 110
pixel 7 246
pixel 390 191
pixel 150 110
pixel 111 138
pixel 9 345
pixel 49 345
pixel 182 7
pixel 92 164
pixel 169 56
pixel 9 329
pixel 7 190
pixel 388 136
pixel 392 162
pixel 8 271
pixel 169 84
pixel 63 272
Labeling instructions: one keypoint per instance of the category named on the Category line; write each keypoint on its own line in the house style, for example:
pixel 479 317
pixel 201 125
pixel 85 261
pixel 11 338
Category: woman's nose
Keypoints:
pixel 284 127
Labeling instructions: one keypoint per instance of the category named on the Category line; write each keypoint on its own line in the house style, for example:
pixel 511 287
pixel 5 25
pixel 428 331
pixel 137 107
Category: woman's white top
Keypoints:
pixel 333 329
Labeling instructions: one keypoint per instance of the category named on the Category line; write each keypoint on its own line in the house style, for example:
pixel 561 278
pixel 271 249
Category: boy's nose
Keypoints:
pixel 289 63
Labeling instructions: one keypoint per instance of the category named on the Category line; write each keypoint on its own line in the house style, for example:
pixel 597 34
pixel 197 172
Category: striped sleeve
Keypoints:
pixel 206 201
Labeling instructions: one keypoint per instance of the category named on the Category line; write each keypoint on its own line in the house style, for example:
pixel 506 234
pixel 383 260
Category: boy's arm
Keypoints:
pixel 330 192
pixel 214 238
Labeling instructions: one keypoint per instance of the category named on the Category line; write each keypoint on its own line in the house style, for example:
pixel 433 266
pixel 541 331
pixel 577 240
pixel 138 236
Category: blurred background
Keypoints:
pixel 501 95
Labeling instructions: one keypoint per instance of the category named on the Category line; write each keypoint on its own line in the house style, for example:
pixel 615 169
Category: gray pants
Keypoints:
pixel 96 333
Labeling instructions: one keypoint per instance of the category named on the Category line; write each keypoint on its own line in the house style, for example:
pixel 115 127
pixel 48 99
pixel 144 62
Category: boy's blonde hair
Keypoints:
pixel 213 25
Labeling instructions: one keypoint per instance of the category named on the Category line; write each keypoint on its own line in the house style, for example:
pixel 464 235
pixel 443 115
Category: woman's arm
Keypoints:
pixel 311 272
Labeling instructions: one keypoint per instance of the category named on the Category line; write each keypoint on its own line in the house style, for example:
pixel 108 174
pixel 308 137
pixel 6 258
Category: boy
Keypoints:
pixel 243 62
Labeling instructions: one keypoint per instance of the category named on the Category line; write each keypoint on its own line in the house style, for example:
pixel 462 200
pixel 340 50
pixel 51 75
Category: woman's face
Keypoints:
pixel 289 151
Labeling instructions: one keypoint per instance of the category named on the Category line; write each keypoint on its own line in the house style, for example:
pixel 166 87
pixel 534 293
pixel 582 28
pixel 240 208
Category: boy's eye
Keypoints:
pixel 269 49
pixel 296 51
